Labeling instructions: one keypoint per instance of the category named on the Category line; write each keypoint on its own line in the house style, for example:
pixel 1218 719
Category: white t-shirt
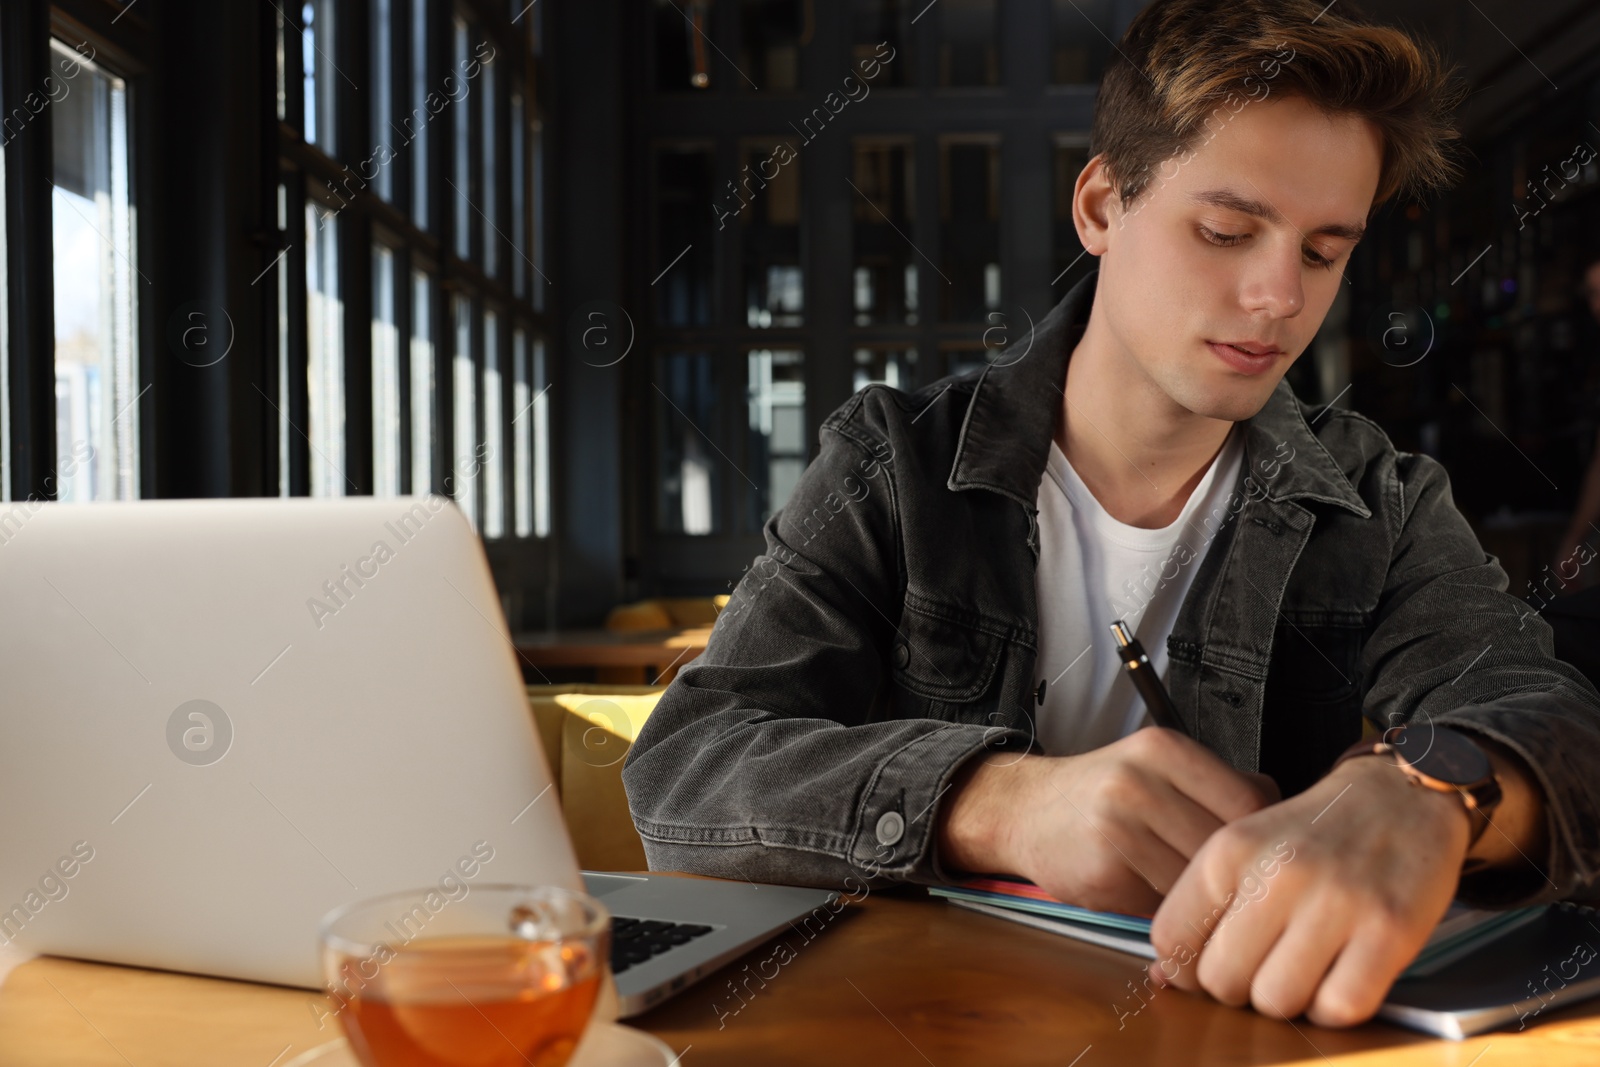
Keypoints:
pixel 1093 570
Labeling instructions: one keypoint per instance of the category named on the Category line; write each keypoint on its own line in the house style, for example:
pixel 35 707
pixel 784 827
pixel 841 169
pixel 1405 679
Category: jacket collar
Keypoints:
pixel 1011 419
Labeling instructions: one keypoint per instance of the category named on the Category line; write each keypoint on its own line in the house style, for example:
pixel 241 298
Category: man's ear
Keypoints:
pixel 1095 207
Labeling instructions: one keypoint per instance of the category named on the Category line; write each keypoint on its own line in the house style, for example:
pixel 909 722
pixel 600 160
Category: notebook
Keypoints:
pixel 1468 978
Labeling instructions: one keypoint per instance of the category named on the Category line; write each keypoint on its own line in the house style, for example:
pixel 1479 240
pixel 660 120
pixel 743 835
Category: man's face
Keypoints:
pixel 1245 243
pixel 1591 288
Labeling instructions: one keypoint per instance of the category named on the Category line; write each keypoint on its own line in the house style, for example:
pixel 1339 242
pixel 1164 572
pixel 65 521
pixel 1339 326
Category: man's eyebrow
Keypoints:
pixel 1232 201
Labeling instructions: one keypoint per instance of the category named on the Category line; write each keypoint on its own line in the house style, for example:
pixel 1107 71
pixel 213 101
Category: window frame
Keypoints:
pixel 1024 113
pixel 519 562
pixel 122 48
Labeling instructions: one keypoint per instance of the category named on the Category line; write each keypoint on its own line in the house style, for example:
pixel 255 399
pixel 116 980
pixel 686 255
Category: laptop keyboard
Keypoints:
pixel 637 940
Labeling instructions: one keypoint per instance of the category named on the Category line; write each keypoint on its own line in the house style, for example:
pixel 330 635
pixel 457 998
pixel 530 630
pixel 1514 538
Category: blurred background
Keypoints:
pixel 598 269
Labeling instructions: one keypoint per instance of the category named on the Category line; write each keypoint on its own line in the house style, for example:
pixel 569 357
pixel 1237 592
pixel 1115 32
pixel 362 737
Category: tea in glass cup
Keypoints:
pixel 504 976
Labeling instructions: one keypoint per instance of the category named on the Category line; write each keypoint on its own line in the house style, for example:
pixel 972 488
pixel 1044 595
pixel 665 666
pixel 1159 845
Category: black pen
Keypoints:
pixel 1145 679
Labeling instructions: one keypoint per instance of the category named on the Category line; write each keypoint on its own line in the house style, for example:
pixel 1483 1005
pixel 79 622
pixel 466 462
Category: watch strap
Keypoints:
pixel 1479 798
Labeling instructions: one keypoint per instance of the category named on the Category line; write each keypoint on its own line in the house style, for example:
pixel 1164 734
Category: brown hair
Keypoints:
pixel 1188 65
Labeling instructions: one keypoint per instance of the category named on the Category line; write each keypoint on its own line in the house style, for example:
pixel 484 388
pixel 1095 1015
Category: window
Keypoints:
pixel 892 365
pixel 530 433
pixel 324 350
pixel 318 70
pixel 96 301
pixel 381 166
pixel 769 232
pixel 969 223
pixel 537 221
pixel 960 357
pixel 1080 41
pixel 423 398
pixel 521 435
pixel 682 56
pixel 494 452
pixel 770 35
pixel 688 479
pixel 885 22
pixel 281 63
pixel 969 54
pixel 284 404
pixel 385 376
pixel 461 182
pixel 530 13
pixel 468 459
pixel 519 199
pixel 442 314
pixel 541 442
pixel 490 180
pixel 777 430
pixel 421 114
pixel 884 276
pixel 909 227
pixel 685 234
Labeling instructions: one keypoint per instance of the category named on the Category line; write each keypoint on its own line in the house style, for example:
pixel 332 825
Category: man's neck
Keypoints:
pixel 1137 450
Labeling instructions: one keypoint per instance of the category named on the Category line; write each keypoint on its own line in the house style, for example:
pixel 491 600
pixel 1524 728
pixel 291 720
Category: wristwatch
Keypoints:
pixel 1441 759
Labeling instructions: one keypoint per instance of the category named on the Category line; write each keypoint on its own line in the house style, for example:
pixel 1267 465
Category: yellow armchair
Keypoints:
pixel 586 731
pixel 666 613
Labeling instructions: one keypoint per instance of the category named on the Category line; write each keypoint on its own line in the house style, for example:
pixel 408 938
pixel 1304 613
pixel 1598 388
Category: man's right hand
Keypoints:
pixel 1110 829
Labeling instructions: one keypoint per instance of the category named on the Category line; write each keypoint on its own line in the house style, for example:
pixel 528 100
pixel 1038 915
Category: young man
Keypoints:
pixel 916 679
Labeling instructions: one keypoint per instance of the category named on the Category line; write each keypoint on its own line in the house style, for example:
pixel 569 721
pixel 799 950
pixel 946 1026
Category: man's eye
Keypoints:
pixel 1223 239
pixel 1317 260
pixel 1226 240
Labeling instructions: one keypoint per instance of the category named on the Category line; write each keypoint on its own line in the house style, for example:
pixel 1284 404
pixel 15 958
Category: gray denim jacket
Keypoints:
pixel 889 633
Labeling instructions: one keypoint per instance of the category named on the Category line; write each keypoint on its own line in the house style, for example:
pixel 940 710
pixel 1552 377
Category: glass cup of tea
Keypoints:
pixel 499 975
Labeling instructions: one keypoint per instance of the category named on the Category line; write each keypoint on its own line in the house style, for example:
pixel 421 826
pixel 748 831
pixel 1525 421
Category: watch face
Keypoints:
pixel 1442 754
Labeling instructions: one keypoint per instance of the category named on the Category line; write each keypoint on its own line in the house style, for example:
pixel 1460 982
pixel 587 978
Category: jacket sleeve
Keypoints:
pixel 1452 647
pixel 769 757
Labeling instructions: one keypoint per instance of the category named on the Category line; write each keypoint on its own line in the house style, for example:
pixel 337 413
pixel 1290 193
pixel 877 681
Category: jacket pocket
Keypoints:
pixel 943 652
pixel 1313 702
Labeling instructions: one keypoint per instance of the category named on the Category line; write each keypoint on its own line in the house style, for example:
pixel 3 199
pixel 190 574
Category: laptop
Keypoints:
pixel 225 718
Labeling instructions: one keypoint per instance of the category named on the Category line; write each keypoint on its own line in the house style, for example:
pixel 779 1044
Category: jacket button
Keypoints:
pixel 902 655
pixel 891 827
pixel 1039 693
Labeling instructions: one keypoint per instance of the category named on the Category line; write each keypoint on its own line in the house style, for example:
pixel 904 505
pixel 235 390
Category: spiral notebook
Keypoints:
pixel 1470 976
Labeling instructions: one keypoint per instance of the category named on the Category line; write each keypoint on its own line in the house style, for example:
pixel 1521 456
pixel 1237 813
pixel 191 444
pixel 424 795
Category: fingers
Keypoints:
pixel 1225 910
pixel 1179 930
pixel 1293 969
pixel 1126 893
pixel 1358 981
pixel 1243 931
pixel 1325 939
pixel 1176 819
pixel 1151 800
pixel 1328 937
pixel 1122 865
pixel 1157 865
pixel 1200 773
pixel 1269 787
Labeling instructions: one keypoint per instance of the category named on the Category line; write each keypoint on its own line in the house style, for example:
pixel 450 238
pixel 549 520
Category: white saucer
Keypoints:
pixel 604 1045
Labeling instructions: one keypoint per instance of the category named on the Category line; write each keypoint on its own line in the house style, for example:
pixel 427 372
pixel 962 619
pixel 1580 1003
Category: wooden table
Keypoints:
pixel 897 979
pixel 619 658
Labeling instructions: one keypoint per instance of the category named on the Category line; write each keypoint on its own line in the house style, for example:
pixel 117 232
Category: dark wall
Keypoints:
pixel 590 231
pixel 203 245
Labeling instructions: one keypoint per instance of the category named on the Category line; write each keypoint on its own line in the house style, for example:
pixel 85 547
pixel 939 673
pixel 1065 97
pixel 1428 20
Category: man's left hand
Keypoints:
pixel 1315 905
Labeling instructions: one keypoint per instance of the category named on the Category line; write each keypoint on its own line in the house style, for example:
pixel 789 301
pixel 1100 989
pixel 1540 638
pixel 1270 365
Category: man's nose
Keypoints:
pixel 1274 284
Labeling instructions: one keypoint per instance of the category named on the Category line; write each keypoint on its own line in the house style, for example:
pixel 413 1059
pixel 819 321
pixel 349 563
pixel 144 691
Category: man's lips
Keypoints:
pixel 1243 361
pixel 1252 348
